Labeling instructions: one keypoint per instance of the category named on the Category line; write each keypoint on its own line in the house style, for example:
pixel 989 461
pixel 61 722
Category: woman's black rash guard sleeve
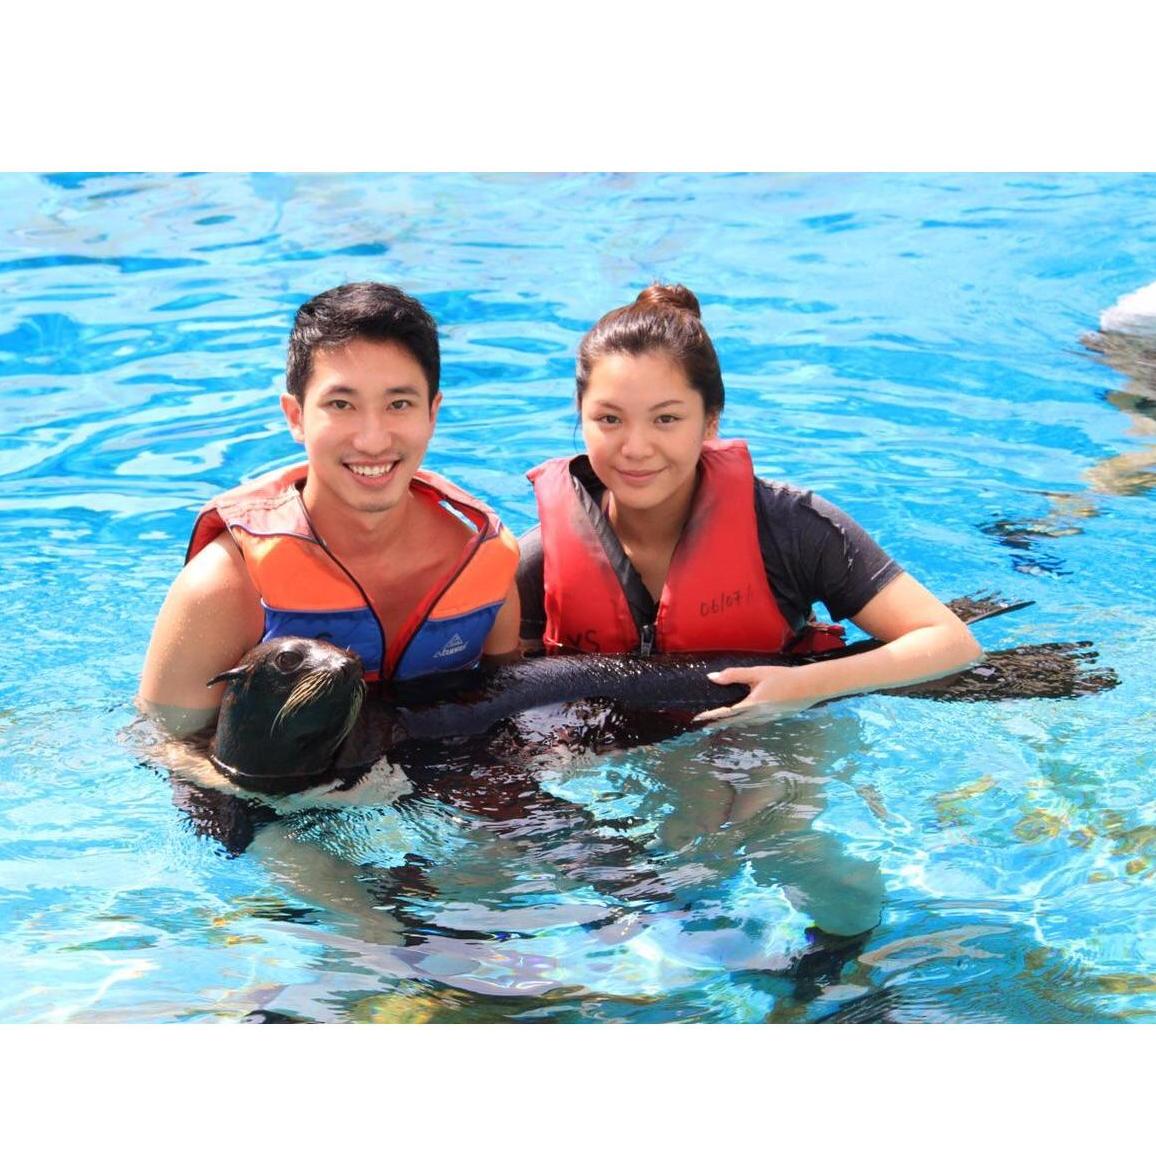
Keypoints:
pixel 814 552
pixel 531 585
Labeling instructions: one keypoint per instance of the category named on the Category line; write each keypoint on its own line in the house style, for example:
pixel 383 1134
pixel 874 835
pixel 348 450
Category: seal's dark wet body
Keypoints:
pixel 293 716
pixel 474 740
pixel 477 741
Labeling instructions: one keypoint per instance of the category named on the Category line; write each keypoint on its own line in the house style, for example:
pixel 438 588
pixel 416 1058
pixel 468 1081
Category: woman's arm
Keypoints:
pixel 923 640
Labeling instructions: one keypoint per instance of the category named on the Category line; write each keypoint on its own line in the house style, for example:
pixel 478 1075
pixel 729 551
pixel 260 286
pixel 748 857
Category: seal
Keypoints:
pixel 287 708
pixel 295 712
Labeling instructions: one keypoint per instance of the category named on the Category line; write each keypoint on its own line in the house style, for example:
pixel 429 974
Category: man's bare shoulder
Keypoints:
pixel 210 617
pixel 217 569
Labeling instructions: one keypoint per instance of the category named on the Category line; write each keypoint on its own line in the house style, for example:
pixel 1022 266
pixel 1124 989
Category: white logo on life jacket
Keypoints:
pixel 455 646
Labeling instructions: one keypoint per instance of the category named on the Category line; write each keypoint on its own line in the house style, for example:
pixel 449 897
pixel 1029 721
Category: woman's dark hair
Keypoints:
pixel 663 319
pixel 368 310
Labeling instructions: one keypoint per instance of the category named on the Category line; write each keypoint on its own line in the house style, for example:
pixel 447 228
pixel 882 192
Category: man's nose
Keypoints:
pixel 374 434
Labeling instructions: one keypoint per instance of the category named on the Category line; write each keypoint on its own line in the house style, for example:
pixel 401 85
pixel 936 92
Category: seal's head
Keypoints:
pixel 288 706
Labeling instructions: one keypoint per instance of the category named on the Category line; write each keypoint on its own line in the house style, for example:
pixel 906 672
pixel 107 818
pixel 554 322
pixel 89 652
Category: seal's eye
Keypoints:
pixel 288 661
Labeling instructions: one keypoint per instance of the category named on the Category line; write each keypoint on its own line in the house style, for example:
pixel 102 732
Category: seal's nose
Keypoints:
pixel 346 662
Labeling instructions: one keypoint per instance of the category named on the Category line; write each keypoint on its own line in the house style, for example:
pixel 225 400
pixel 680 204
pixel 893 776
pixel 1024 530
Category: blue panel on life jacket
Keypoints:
pixel 356 630
pixel 447 644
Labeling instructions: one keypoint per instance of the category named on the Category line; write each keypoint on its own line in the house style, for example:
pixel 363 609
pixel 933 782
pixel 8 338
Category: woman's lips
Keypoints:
pixel 637 477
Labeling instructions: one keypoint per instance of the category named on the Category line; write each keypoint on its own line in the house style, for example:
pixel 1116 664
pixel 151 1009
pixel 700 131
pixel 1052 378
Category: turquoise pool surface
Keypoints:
pixel 909 346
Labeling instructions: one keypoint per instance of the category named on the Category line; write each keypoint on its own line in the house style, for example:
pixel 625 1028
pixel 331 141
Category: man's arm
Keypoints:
pixel 502 641
pixel 210 618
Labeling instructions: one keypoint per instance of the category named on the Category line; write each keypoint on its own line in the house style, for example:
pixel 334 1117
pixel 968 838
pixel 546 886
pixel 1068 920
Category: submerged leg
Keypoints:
pixel 842 893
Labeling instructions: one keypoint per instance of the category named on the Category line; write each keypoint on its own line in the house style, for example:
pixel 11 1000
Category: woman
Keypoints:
pixel 660 537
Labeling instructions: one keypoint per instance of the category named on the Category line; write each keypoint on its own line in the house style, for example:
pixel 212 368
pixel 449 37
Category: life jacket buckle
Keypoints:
pixel 646 645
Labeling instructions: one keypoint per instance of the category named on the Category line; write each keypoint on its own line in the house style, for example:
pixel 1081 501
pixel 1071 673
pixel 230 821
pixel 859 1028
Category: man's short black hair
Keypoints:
pixel 368 310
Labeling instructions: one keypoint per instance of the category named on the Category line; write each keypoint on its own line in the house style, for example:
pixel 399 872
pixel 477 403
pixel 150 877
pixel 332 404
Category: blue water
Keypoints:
pixel 908 346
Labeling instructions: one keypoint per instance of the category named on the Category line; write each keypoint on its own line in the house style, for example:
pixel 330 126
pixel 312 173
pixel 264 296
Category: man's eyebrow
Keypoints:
pixel 339 387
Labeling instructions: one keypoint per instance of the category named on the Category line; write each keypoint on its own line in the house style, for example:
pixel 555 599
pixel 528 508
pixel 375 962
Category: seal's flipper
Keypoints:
pixel 822 964
pixel 970 608
pixel 1046 670
pixel 983 604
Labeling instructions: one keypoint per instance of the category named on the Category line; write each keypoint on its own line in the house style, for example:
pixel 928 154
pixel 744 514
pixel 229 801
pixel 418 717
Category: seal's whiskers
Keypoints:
pixel 354 711
pixel 313 685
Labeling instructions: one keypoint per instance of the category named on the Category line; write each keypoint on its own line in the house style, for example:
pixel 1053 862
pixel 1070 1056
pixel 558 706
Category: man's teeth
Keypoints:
pixel 373 471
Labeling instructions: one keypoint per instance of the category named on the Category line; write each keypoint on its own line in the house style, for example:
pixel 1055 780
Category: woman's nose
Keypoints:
pixel 635 442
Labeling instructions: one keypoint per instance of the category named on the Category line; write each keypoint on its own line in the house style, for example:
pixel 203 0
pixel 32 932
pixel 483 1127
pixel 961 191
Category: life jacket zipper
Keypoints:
pixel 479 538
pixel 360 589
pixel 469 557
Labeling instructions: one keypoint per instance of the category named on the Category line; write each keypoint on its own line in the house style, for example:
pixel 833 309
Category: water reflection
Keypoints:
pixel 1130 350
pixel 545 858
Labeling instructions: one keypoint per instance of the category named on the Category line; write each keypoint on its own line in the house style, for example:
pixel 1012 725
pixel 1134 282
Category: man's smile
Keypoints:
pixel 378 470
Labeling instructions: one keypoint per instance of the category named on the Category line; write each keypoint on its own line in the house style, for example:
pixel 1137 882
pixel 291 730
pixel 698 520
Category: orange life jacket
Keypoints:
pixel 716 596
pixel 305 590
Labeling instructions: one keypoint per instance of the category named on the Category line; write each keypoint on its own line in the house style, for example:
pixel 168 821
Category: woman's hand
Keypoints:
pixel 775 691
pixel 922 640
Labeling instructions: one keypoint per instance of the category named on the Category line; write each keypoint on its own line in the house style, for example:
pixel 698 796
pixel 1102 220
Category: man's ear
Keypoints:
pixel 712 426
pixel 434 406
pixel 291 408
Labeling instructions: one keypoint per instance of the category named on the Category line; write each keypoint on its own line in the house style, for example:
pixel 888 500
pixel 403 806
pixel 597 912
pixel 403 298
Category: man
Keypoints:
pixel 357 545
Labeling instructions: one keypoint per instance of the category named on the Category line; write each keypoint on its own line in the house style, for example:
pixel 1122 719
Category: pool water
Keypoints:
pixel 908 346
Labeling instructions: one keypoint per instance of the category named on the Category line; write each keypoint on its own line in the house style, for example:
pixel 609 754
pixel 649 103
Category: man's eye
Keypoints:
pixel 339 403
pixel 401 403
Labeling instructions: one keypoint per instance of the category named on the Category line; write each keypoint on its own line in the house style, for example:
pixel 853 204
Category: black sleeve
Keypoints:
pixel 814 552
pixel 531 585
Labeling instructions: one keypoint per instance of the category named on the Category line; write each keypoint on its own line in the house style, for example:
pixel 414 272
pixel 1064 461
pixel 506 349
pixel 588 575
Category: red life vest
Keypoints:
pixel 306 591
pixel 716 596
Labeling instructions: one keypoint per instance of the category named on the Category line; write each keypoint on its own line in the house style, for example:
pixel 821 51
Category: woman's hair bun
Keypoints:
pixel 669 297
pixel 663 320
